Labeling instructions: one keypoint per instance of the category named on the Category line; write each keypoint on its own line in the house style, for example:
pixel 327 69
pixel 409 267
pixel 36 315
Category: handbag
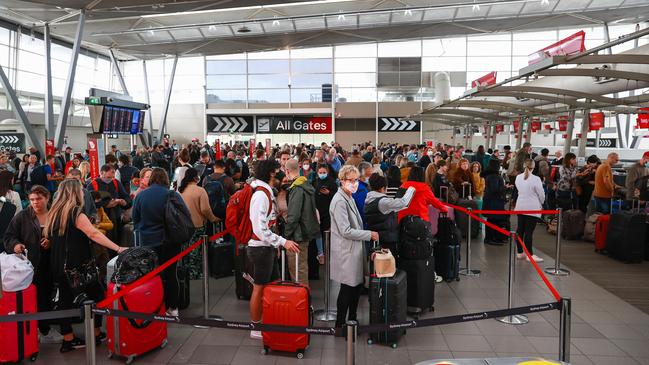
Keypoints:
pixel 384 263
pixel 17 272
pixel 80 278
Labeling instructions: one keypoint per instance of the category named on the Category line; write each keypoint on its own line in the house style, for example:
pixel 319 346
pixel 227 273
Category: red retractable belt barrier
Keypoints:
pixel 514 212
pixel 473 215
pixel 127 288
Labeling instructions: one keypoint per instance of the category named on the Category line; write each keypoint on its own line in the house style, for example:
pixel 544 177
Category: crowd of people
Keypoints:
pixel 66 218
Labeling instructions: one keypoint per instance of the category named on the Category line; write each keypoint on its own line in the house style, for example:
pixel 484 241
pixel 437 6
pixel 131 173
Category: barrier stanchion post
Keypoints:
pixel 557 270
pixel 352 332
pixel 517 318
pixel 564 329
pixel 326 315
pixel 89 323
pixel 467 271
pixel 206 279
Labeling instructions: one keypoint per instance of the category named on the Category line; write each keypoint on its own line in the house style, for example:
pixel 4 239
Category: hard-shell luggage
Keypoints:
pixel 625 237
pixel 601 230
pixel 433 216
pixel 19 339
pixel 131 338
pixel 447 261
pixel 462 219
pixel 447 233
pixel 388 304
pixel 243 272
pixel 572 225
pixel 589 227
pixel 220 258
pixel 421 284
pixel 289 304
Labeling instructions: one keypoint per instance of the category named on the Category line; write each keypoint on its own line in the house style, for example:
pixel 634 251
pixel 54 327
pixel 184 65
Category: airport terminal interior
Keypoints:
pixel 568 76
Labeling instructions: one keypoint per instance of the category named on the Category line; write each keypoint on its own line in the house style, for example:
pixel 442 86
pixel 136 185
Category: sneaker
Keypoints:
pixel 438 279
pixel 51 337
pixel 172 312
pixel 520 256
pixel 75 343
pixel 256 335
pixel 321 259
pixel 101 337
pixel 536 259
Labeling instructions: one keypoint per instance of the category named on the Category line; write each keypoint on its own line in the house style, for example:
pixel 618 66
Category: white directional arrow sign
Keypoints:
pixel 228 124
pixel 219 124
pixel 244 124
pixel 394 124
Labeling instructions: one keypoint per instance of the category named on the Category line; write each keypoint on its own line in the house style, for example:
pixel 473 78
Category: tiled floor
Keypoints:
pixel 605 329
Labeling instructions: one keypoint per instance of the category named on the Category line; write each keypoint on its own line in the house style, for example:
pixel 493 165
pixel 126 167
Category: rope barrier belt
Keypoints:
pixel 512 212
pixel 40 316
pixel 472 214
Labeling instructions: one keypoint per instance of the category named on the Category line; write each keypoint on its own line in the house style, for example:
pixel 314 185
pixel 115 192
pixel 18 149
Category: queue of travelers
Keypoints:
pixel 65 217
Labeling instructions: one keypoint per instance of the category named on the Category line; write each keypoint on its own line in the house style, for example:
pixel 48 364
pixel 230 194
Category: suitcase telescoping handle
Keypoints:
pixel 464 189
pixel 442 188
pixel 297 262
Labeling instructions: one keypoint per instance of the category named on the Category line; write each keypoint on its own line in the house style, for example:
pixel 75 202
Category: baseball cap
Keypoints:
pixel 645 155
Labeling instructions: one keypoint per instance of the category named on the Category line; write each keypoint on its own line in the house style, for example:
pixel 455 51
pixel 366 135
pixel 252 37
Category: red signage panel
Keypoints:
pixel 642 122
pixel 563 122
pixel 267 147
pixel 486 80
pixel 253 146
pixel 569 45
pixel 93 155
pixel 595 121
pixel 500 128
pixel 217 153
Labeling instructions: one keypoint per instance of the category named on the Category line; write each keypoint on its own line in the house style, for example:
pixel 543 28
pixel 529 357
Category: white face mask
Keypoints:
pixel 351 187
pixel 430 153
pixel 306 166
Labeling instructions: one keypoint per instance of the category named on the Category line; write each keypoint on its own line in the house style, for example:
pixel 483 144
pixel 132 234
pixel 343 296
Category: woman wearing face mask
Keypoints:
pixel 347 245
pixel 325 188
pixel 306 170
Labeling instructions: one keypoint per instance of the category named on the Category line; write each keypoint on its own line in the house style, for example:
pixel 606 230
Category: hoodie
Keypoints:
pixel 423 198
pixel 302 221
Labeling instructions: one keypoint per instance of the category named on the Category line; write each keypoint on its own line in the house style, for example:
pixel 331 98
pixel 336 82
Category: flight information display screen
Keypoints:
pixel 122 120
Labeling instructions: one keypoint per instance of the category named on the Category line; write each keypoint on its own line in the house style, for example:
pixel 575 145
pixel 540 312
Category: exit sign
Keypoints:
pixel 93 100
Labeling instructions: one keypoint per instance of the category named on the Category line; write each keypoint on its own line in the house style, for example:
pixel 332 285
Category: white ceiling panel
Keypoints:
pixel 310 24
pixel 505 9
pixel 373 19
pixel 407 16
pixel 276 26
pixel 188 33
pixel 342 21
pixel 216 31
pixel 471 11
pixel 444 14
pixel 571 5
pixel 539 7
pixel 605 3
pixel 156 36
pixel 254 27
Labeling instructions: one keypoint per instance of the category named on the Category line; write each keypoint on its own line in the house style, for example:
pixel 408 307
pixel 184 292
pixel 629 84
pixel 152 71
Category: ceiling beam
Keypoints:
pixel 497 105
pixel 555 91
pixel 641 59
pixel 470 113
pixel 593 72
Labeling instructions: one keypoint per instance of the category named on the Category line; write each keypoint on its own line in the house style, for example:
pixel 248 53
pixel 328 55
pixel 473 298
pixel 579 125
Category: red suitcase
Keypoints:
pixel 601 229
pixel 137 337
pixel 289 304
pixel 19 339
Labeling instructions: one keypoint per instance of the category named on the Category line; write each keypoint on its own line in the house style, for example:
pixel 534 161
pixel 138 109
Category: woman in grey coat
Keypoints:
pixel 347 247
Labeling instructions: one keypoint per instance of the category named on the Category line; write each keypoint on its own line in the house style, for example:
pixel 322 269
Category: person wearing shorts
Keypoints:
pixel 262 247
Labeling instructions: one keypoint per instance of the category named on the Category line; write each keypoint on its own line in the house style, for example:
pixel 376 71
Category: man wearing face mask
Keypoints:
pixel 301 222
pixel 637 171
pixel 120 198
pixel 427 159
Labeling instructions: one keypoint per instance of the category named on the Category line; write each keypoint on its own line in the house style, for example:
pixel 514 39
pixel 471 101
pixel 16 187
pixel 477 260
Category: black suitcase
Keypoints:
pixel 242 271
pixel 421 284
pixel 447 261
pixel 462 219
pixel 221 258
pixel 388 304
pixel 183 286
pixel 624 240
pixel 572 225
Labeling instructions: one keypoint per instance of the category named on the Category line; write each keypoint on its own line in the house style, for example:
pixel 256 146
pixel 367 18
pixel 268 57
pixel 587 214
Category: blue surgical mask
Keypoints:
pixel 322 176
pixel 646 164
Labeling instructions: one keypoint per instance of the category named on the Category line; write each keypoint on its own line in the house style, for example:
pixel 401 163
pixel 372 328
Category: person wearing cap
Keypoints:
pixel 635 172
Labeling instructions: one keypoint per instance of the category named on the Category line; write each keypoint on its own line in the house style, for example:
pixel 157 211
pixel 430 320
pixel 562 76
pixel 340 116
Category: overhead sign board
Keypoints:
pixel 229 124
pixel 569 45
pixel 486 80
pixel 294 125
pixel 12 142
pixel 603 142
pixel 398 125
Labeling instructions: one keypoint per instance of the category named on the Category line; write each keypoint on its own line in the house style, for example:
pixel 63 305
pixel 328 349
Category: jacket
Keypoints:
pixel 347 237
pixel 359 198
pixel 24 228
pixel 261 221
pixel 478 184
pixel 323 201
pixel 494 186
pixel 633 174
pixel 149 215
pixel 381 213
pixel 103 224
pixel 302 222
pixel 543 166
pixel 604 185
pixel 354 160
pixel 198 204
pixel 423 198
pixel 531 195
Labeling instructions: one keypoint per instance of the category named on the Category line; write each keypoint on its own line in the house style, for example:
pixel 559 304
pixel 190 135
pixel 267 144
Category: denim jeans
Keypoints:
pixel 602 205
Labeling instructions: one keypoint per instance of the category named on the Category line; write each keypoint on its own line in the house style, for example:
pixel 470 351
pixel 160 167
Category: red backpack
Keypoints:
pixel 237 213
pixel 95 185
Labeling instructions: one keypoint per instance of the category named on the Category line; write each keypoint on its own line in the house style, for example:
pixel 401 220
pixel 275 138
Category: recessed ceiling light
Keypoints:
pixel 545 2
pixel 212 27
pixel 341 17
pixel 476 7
pixel 407 12
pixel 275 23
pixel 151 32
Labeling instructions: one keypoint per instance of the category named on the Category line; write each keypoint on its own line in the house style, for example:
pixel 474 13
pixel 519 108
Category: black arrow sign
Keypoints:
pixel 12 142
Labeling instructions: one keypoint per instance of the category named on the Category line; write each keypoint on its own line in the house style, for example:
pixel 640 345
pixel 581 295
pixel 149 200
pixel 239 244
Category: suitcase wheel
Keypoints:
pixel 129 360
pixel 110 355
pixel 33 357
pixel 300 354
pixel 457 278
pixel 265 351
pixel 164 343
pixel 369 341
pixel 394 345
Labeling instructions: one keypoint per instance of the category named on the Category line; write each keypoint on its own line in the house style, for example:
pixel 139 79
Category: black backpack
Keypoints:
pixel 179 228
pixel 133 264
pixel 415 238
pixel 38 175
pixel 448 234
pixel 217 196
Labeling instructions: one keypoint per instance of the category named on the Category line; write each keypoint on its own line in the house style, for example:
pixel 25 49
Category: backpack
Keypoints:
pixel 133 264
pixel 217 196
pixel 237 213
pixel 554 173
pixel 38 175
pixel 95 185
pixel 179 228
